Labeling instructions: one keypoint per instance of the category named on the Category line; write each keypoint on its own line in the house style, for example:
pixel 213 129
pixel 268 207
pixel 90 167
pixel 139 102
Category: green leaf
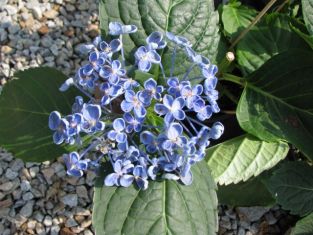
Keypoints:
pixel 25 105
pixel 307 8
pixel 243 157
pixel 193 19
pixel 236 17
pixel 292 185
pixel 271 36
pixel 302 33
pixel 304 226
pixel 166 207
pixel 276 103
pixel 250 193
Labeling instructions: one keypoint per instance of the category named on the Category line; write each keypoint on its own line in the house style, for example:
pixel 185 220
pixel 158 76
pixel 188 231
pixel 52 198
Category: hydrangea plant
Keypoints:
pixel 137 149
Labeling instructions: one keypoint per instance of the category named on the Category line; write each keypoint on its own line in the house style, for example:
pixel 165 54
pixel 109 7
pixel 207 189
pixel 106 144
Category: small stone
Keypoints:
pixel 10 9
pixel 27 210
pixel 251 213
pixel 40 229
pixel 17 165
pixel 2 195
pixel 4 212
pixel 38 216
pixel 66 231
pixel 241 231
pixel 43 30
pixel 88 232
pixel 7 186
pixel 82 211
pixel 48 173
pixel 11 175
pixel 70 7
pixel 71 200
pixel 37 12
pixel 86 223
pixel 71 223
pixel 31 224
pixel 33 171
pixel 28 196
pixel 50 14
pixel 6 203
pixel 270 218
pixel 225 224
pixel 55 230
pixel 90 178
pixel 47 221
pixel 25 186
pixel 82 192
pixel 6 49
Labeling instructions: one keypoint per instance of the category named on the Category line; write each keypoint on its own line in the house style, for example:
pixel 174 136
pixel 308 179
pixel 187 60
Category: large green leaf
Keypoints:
pixel 250 193
pixel 276 103
pixel 292 185
pixel 236 17
pixel 301 30
pixel 271 36
pixel 193 19
pixel 243 157
pixel 166 207
pixel 25 105
pixel 307 8
pixel 304 226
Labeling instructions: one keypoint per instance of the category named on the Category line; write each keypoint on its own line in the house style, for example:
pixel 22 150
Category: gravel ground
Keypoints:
pixel 40 198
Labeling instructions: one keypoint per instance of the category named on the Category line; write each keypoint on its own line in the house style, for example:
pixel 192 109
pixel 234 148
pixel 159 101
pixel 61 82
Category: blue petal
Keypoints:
pixel 54 120
pixel 170 176
pixel 115 28
pixel 93 56
pixel 115 45
pixel 114 79
pixel 91 112
pixel 179 115
pixel 173 82
pixel 126 106
pixel 168 101
pixel 153 57
pixel 217 130
pixel 142 183
pixel 129 95
pixel 139 171
pixel 144 65
pixel 112 134
pixel 187 179
pixel 116 65
pixel 105 72
pixel 154 37
pixel 178 103
pixel 174 131
pixel 146 137
pixel 121 138
pixel 75 172
pixel 100 126
pixel 58 138
pixel 129 29
pixel 119 124
pixel 111 179
pixel 128 118
pixel 150 84
pixel 140 111
pixel 126 180
pixel 160 109
pixel 197 90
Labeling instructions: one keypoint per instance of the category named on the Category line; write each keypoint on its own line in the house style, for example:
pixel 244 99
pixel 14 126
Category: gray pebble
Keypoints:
pixel 37 12
pixel 27 210
pixel 28 196
pixel 6 186
pixel 70 200
pixel 71 223
pixel 54 230
pixel 17 165
pixel 11 175
pixel 47 221
pixel 33 171
pixel 25 186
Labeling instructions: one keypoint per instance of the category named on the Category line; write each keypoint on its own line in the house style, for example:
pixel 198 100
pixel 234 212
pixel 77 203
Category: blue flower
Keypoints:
pixel 92 114
pixel 216 130
pixel 75 166
pixel 141 177
pixel 132 154
pixel 155 41
pixel 85 79
pixel 212 97
pixel 171 108
pixel 132 102
pixel 174 137
pixel 116 28
pixel 121 175
pixel 60 126
pixel 74 121
pixel 152 90
pixel 145 58
pixel 149 140
pixel 130 83
pixel 191 94
pixel 109 49
pixel 175 86
pixel 154 168
pixel 134 123
pixel 203 111
pixel 78 104
pixel 179 40
pixel 85 49
pixel 117 134
pixel 113 72
pixel 97 60
pixel 186 174
pixel 66 85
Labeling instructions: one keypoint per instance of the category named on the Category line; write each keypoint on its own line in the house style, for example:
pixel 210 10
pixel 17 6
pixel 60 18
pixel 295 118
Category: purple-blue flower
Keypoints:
pixel 175 86
pixel 149 140
pixel 74 120
pixel 113 73
pixel 134 123
pixel 174 137
pixel 145 58
pixel 216 131
pixel 86 79
pixel 60 126
pixel 118 133
pixel 179 40
pixel 152 90
pixel 132 102
pixel 116 28
pixel 203 111
pixel 121 177
pixel 75 165
pixel 171 108
pixel 155 41
pixel 141 177
pixel 109 49
pixel 92 114
pixel 191 94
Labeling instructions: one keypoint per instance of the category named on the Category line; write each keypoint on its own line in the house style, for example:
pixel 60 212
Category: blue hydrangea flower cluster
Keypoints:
pixel 118 110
